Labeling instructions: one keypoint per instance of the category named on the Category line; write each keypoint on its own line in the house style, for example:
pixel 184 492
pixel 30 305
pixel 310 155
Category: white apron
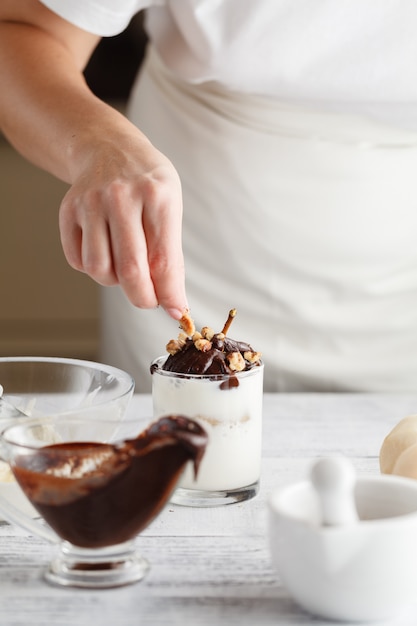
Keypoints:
pixel 304 221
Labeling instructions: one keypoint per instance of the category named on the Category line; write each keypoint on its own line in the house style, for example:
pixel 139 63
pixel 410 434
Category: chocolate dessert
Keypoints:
pixel 207 352
pixel 217 381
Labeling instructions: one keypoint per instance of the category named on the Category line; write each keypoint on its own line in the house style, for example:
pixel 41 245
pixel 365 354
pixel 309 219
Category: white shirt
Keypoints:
pixel 321 263
pixel 353 56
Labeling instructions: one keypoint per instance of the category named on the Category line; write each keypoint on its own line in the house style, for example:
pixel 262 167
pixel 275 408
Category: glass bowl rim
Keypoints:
pixel 92 365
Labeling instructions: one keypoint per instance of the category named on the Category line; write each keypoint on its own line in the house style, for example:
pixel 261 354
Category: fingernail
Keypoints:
pixel 174 313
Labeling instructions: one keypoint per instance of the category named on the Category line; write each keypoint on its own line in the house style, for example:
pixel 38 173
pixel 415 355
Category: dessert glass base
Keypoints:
pixel 114 566
pixel 201 498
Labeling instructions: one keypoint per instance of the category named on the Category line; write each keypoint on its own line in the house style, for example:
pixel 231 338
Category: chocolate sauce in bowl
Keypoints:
pixel 95 495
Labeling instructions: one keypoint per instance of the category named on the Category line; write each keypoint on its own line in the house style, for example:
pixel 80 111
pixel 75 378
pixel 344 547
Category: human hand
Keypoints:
pixel 120 222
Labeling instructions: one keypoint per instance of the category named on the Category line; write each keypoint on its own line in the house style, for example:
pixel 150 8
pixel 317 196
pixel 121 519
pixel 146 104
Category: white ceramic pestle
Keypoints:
pixel 334 481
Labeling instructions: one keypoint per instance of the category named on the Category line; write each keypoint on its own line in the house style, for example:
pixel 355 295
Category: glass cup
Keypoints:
pixel 97 482
pixel 229 408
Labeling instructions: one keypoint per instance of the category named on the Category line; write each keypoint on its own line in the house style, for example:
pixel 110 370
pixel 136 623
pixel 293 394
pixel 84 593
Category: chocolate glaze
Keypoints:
pixel 124 487
pixel 189 360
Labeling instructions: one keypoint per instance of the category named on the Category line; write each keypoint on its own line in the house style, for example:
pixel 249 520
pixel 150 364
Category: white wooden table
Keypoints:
pixel 210 567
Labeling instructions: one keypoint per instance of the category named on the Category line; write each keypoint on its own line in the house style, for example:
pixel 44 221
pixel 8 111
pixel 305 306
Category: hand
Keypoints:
pixel 120 222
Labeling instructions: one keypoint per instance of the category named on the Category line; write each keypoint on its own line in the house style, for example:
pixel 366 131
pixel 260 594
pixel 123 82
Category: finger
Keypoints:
pixel 165 257
pixel 96 252
pixel 71 235
pixel 85 241
pixel 130 257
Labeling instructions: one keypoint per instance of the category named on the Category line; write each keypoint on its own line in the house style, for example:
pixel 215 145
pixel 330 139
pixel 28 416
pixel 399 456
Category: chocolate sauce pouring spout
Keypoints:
pixel 174 430
pixel 96 494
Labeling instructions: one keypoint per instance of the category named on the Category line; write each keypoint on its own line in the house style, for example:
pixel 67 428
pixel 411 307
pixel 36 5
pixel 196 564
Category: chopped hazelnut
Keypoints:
pixel 252 357
pixel 196 336
pixel 182 339
pixel 187 324
pixel 207 332
pixel 236 361
pixel 173 346
pixel 203 344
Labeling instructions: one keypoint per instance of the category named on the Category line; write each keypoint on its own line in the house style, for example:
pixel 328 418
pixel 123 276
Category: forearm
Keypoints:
pixel 47 111
pixel 120 221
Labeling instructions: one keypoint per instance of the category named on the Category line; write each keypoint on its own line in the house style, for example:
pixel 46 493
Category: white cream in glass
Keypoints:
pixel 229 408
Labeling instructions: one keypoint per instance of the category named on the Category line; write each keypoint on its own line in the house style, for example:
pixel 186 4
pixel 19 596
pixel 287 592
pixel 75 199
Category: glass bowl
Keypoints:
pixel 54 387
pixel 40 386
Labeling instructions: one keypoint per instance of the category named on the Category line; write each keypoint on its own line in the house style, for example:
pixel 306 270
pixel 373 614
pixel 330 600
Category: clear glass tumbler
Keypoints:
pixel 229 408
